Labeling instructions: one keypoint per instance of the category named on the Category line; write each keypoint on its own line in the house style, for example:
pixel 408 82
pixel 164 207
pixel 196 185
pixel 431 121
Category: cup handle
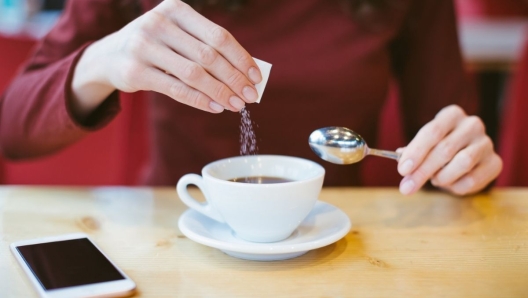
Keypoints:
pixel 204 208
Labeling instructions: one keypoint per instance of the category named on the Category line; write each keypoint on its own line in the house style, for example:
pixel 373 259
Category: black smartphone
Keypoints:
pixel 71 266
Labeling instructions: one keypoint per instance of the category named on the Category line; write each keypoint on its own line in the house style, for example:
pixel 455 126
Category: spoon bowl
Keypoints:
pixel 341 145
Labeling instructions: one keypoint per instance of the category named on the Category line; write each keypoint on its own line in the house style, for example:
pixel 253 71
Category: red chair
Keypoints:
pixel 512 137
pixel 513 142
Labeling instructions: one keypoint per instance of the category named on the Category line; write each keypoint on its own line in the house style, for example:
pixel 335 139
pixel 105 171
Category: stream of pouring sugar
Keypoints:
pixel 248 139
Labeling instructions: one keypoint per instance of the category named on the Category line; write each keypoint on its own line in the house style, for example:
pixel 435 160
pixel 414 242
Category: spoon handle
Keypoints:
pixel 384 153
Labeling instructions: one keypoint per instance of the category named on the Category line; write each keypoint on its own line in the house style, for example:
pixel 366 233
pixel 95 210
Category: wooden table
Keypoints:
pixel 427 245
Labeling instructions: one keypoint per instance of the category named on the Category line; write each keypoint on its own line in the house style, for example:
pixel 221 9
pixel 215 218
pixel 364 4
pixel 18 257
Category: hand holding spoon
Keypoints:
pixel 341 145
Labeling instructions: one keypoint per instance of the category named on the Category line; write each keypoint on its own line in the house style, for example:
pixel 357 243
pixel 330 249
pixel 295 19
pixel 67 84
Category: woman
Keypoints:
pixel 332 64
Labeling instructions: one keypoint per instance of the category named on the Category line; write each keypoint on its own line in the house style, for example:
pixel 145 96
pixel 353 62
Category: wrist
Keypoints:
pixel 90 84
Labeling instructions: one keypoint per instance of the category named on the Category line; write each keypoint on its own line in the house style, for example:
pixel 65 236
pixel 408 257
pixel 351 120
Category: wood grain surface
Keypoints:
pixel 427 245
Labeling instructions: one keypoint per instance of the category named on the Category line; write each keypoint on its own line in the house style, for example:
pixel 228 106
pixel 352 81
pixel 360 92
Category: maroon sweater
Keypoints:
pixel 328 70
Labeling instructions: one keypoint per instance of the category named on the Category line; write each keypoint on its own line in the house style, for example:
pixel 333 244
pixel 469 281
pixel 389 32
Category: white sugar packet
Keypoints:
pixel 265 69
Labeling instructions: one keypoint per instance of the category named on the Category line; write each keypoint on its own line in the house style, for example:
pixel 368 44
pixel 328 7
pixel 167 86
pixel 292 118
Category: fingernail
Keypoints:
pixel 407 187
pixel 399 150
pixel 236 102
pixel 250 94
pixel 254 75
pixel 216 107
pixel 406 167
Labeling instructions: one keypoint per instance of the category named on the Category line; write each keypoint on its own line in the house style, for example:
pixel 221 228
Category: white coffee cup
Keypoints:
pixel 256 212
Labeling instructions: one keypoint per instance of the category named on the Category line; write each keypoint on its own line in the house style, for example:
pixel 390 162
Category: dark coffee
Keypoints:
pixel 260 180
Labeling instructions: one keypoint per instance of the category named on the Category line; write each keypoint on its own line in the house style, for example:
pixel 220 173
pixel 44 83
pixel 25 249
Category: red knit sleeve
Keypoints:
pixel 35 118
pixel 428 64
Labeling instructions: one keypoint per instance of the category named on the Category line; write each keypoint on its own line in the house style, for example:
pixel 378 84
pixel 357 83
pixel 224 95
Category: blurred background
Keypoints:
pixel 493 38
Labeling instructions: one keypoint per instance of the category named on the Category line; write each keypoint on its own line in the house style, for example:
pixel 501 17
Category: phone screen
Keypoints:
pixel 68 263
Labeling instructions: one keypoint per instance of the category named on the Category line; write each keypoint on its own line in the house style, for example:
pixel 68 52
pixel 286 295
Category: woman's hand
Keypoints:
pixel 453 151
pixel 171 50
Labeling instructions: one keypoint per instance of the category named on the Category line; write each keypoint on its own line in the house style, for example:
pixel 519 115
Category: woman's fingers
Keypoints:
pixel 195 76
pixel 213 35
pixel 479 177
pixel 158 81
pixel 212 61
pixel 192 59
pixel 183 43
pixel 463 162
pixel 443 152
pixel 453 151
pixel 428 137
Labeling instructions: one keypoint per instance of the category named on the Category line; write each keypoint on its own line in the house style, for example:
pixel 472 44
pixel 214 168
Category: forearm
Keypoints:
pixel 35 115
pixel 39 113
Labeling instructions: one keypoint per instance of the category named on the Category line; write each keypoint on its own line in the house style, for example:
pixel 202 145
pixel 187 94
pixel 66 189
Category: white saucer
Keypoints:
pixel 323 226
